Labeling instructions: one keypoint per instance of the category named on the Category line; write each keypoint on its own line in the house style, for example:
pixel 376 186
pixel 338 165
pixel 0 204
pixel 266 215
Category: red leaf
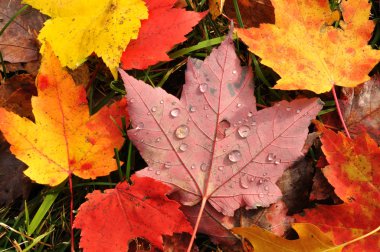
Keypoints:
pixel 354 172
pixel 159 30
pixel 181 140
pixel 109 220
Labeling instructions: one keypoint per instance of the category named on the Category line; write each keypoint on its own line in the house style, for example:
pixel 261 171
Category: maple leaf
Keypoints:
pixel 64 139
pixel 310 239
pixel 111 219
pixel 310 54
pixel 354 172
pixel 213 145
pixel 160 31
pixel 80 27
pixel 361 108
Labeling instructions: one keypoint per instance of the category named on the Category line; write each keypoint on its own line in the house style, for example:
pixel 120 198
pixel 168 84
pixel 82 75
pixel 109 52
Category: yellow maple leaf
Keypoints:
pixel 64 139
pixel 78 28
pixel 308 53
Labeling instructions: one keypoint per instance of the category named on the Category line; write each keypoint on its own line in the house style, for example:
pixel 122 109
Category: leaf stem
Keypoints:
pixel 340 112
pixel 196 226
pixel 356 239
pixel 71 211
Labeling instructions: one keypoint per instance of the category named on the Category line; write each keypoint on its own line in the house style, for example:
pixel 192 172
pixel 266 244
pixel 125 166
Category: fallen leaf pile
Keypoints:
pixel 224 160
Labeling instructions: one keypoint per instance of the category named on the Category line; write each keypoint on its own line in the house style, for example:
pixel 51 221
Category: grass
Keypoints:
pixel 42 222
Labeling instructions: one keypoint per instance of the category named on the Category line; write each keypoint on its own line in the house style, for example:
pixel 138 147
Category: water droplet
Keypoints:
pixel 183 147
pixel 288 108
pixel 150 169
pixel 244 131
pixel 162 102
pixel 182 131
pixel 203 87
pixel 167 165
pixel 234 156
pixel 192 109
pixel 239 122
pixel 277 162
pixel 266 188
pixel 175 112
pixel 220 168
pixel 234 72
pixel 148 113
pixel 270 157
pixel 253 123
pixel 140 125
pixel 243 183
pixel 153 109
pixel 158 172
pixel 207 116
pixel 224 150
pixel 142 140
pixel 261 195
pixel 131 100
pixel 158 139
pixel 192 166
pixel 205 107
pixel 260 181
pixel 204 167
pixel 238 105
pixel 251 179
pixel 250 114
pixel 265 174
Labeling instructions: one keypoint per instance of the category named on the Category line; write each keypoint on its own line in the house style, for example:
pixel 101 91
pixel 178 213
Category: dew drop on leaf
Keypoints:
pixel 277 161
pixel 162 102
pixel 244 131
pixel 203 87
pixel 260 181
pixel 167 165
pixel 153 109
pixel 266 188
pixel 158 139
pixel 261 195
pixel 250 114
pixel 220 168
pixel 182 131
pixel 175 112
pixel 183 147
pixel 238 105
pixel 205 107
pixel 140 126
pixel 234 72
pixel 288 108
pixel 192 166
pixel 192 109
pixel 150 169
pixel 243 183
pixel 253 123
pixel 204 167
pixel 132 100
pixel 158 172
pixel 234 156
pixel 270 157
pixel 298 111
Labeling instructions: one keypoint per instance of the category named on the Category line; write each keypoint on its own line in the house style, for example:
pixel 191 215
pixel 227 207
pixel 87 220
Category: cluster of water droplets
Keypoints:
pixel 271 158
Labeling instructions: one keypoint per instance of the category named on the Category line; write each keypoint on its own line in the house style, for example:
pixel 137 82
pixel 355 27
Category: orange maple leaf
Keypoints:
pixel 307 52
pixel 354 171
pixel 64 139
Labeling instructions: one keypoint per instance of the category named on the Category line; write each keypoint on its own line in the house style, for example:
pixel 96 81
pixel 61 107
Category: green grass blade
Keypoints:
pixel 41 212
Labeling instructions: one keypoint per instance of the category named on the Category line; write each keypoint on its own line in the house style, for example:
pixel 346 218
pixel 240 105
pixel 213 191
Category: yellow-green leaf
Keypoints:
pixel 78 28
